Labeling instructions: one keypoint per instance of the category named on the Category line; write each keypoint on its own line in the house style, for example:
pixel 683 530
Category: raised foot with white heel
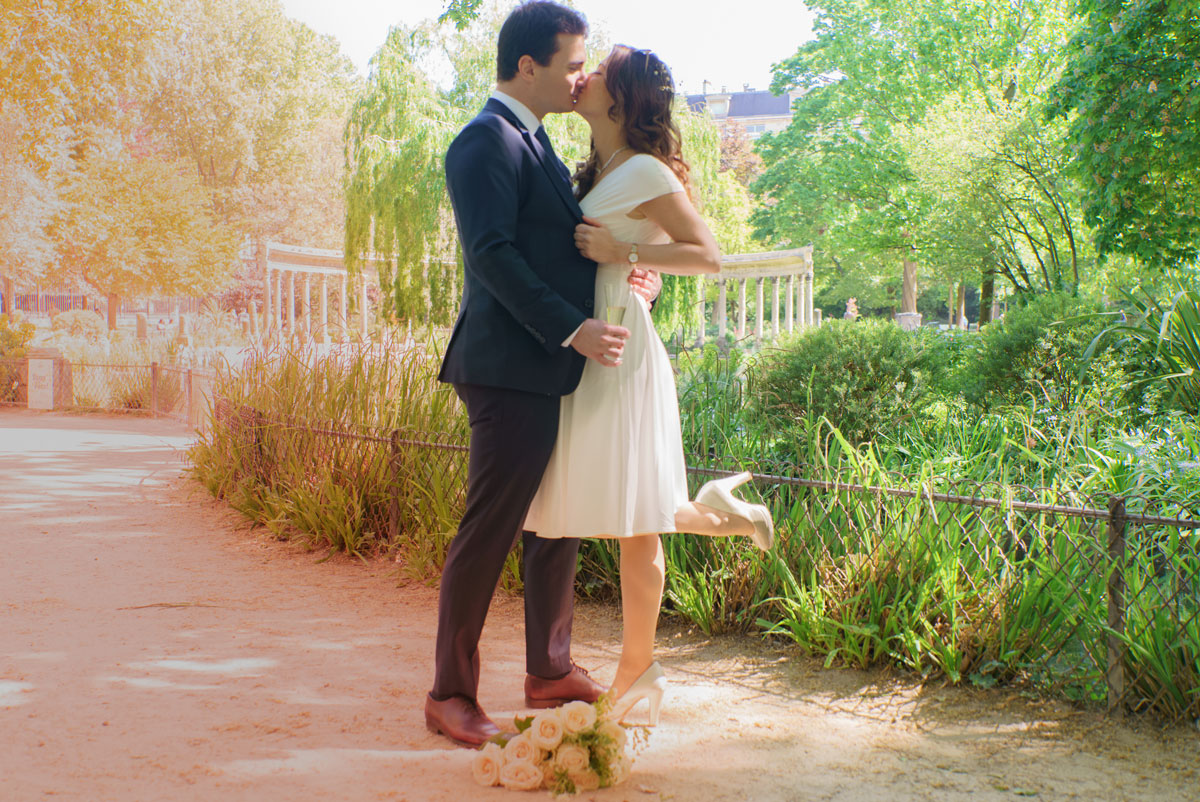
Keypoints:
pixel 649 686
pixel 718 494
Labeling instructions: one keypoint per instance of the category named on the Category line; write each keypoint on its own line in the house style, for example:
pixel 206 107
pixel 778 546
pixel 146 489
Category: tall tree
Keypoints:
pixel 1132 92
pixel 396 202
pixel 257 103
pixel 844 175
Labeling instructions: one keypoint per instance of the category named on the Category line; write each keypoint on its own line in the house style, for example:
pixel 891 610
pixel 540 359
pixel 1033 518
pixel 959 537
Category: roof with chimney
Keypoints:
pixel 747 103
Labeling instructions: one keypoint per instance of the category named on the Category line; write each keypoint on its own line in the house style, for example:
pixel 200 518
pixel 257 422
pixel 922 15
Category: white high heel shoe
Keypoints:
pixel 718 494
pixel 649 686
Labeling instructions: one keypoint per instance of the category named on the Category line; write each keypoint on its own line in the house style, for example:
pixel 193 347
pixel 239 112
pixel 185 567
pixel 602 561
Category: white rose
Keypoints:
pixel 586 780
pixel 572 758
pixel 621 769
pixel 485 768
pixel 615 732
pixel 546 732
pixel 521 775
pixel 521 748
pixel 577 717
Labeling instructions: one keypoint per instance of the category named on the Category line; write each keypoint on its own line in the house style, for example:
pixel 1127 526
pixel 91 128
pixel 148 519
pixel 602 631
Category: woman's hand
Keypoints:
pixel 596 242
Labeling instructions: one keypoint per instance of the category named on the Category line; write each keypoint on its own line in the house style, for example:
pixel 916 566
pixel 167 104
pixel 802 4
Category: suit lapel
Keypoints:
pixel 554 170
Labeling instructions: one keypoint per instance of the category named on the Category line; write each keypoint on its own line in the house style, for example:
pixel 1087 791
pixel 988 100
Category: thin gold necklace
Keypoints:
pixel 610 158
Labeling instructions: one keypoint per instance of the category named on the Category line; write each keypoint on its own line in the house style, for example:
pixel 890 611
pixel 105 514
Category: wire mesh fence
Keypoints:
pixel 14 382
pixel 1092 598
pixel 154 389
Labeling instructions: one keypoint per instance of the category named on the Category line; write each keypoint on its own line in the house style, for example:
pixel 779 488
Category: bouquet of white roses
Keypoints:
pixel 566 749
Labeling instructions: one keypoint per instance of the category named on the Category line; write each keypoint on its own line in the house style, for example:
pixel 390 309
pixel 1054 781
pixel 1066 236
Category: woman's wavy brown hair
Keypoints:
pixel 643 92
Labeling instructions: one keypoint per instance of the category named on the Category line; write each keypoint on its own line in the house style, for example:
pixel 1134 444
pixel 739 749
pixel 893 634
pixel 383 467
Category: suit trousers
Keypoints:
pixel 512 437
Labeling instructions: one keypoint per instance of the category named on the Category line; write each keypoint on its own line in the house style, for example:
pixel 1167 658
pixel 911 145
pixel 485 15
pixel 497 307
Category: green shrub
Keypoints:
pixel 864 377
pixel 80 323
pixel 15 336
pixel 1036 352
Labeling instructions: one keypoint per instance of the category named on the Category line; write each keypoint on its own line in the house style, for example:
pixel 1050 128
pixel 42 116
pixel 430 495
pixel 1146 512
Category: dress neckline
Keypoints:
pixel 614 172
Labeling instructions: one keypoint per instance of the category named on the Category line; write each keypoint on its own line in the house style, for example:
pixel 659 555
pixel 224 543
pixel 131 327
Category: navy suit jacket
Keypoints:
pixel 526 285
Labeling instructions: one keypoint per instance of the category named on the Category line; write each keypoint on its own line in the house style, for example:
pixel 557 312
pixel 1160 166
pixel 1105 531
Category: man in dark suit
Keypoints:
pixel 522 336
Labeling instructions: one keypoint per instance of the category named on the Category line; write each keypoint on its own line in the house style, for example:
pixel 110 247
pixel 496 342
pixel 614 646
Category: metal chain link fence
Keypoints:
pixel 1095 599
pixel 159 390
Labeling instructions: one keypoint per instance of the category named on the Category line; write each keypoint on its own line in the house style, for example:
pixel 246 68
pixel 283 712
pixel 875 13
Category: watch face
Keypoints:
pixel 633 257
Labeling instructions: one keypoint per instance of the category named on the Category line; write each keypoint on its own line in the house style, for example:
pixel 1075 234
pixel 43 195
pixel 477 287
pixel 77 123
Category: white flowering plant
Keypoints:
pixel 566 750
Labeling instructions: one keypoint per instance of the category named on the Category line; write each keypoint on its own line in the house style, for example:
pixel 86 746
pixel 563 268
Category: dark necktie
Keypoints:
pixel 544 140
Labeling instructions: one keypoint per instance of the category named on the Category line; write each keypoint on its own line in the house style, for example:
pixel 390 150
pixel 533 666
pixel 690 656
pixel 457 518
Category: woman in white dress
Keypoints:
pixel 618 468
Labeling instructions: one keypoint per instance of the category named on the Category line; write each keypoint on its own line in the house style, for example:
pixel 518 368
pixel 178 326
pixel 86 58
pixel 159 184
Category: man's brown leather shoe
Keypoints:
pixel 459 719
pixel 575 686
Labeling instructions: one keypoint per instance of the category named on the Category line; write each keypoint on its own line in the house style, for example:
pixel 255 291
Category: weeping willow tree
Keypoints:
pixel 397 211
pixel 723 202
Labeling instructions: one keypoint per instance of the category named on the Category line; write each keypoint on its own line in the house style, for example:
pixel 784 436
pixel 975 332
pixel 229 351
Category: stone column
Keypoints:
pixel 260 261
pixel 775 307
pixel 740 331
pixel 277 304
pixel 760 312
pixel 362 306
pixel 722 302
pixel 789 305
pixel 324 309
pixel 306 321
pixel 344 307
pixel 808 299
pixel 254 324
pixel 291 304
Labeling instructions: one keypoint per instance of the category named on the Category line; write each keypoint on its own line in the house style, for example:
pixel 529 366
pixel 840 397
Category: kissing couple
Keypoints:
pixel 568 389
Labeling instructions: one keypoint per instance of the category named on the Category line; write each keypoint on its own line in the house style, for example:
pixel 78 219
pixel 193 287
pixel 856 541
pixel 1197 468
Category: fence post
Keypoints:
pixel 394 487
pixel 1115 675
pixel 153 389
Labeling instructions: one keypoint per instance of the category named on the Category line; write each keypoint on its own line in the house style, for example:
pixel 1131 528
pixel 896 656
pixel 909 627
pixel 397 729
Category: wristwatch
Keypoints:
pixel 633 254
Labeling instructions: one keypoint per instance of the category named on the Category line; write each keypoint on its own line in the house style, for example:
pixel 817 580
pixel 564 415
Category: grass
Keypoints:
pixel 979 594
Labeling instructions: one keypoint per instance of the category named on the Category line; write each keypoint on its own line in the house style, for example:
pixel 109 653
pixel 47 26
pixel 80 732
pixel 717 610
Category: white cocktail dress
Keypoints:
pixel 617 469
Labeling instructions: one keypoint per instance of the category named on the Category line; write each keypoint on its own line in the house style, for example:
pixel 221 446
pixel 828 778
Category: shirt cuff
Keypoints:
pixel 567 342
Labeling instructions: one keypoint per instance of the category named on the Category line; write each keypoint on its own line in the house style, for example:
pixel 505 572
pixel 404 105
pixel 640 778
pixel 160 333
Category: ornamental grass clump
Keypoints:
pixel 331 448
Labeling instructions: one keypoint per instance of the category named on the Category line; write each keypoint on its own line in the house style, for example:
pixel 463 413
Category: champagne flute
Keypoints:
pixel 614 314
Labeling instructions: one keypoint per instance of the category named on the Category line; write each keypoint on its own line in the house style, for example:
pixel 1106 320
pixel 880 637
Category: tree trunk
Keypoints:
pixel 987 295
pixel 951 306
pixel 908 299
pixel 10 300
pixel 960 307
pixel 113 302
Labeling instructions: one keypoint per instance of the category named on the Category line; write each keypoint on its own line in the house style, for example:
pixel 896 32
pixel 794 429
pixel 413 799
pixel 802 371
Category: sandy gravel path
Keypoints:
pixel 154 648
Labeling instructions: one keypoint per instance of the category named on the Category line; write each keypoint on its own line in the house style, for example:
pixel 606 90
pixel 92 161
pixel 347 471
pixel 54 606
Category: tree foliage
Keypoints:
pixel 1131 89
pixel 397 209
pixel 142 139
pixel 396 201
pixel 919 135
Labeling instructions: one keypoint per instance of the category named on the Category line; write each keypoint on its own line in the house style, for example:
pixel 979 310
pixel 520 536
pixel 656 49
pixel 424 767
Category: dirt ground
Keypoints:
pixel 152 647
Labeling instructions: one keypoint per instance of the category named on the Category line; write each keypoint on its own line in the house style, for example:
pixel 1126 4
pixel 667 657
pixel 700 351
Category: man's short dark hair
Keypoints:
pixel 532 29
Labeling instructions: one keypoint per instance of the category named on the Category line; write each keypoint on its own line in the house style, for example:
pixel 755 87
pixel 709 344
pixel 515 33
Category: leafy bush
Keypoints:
pixel 1163 344
pixel 80 323
pixel 1036 351
pixel 15 336
pixel 864 377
